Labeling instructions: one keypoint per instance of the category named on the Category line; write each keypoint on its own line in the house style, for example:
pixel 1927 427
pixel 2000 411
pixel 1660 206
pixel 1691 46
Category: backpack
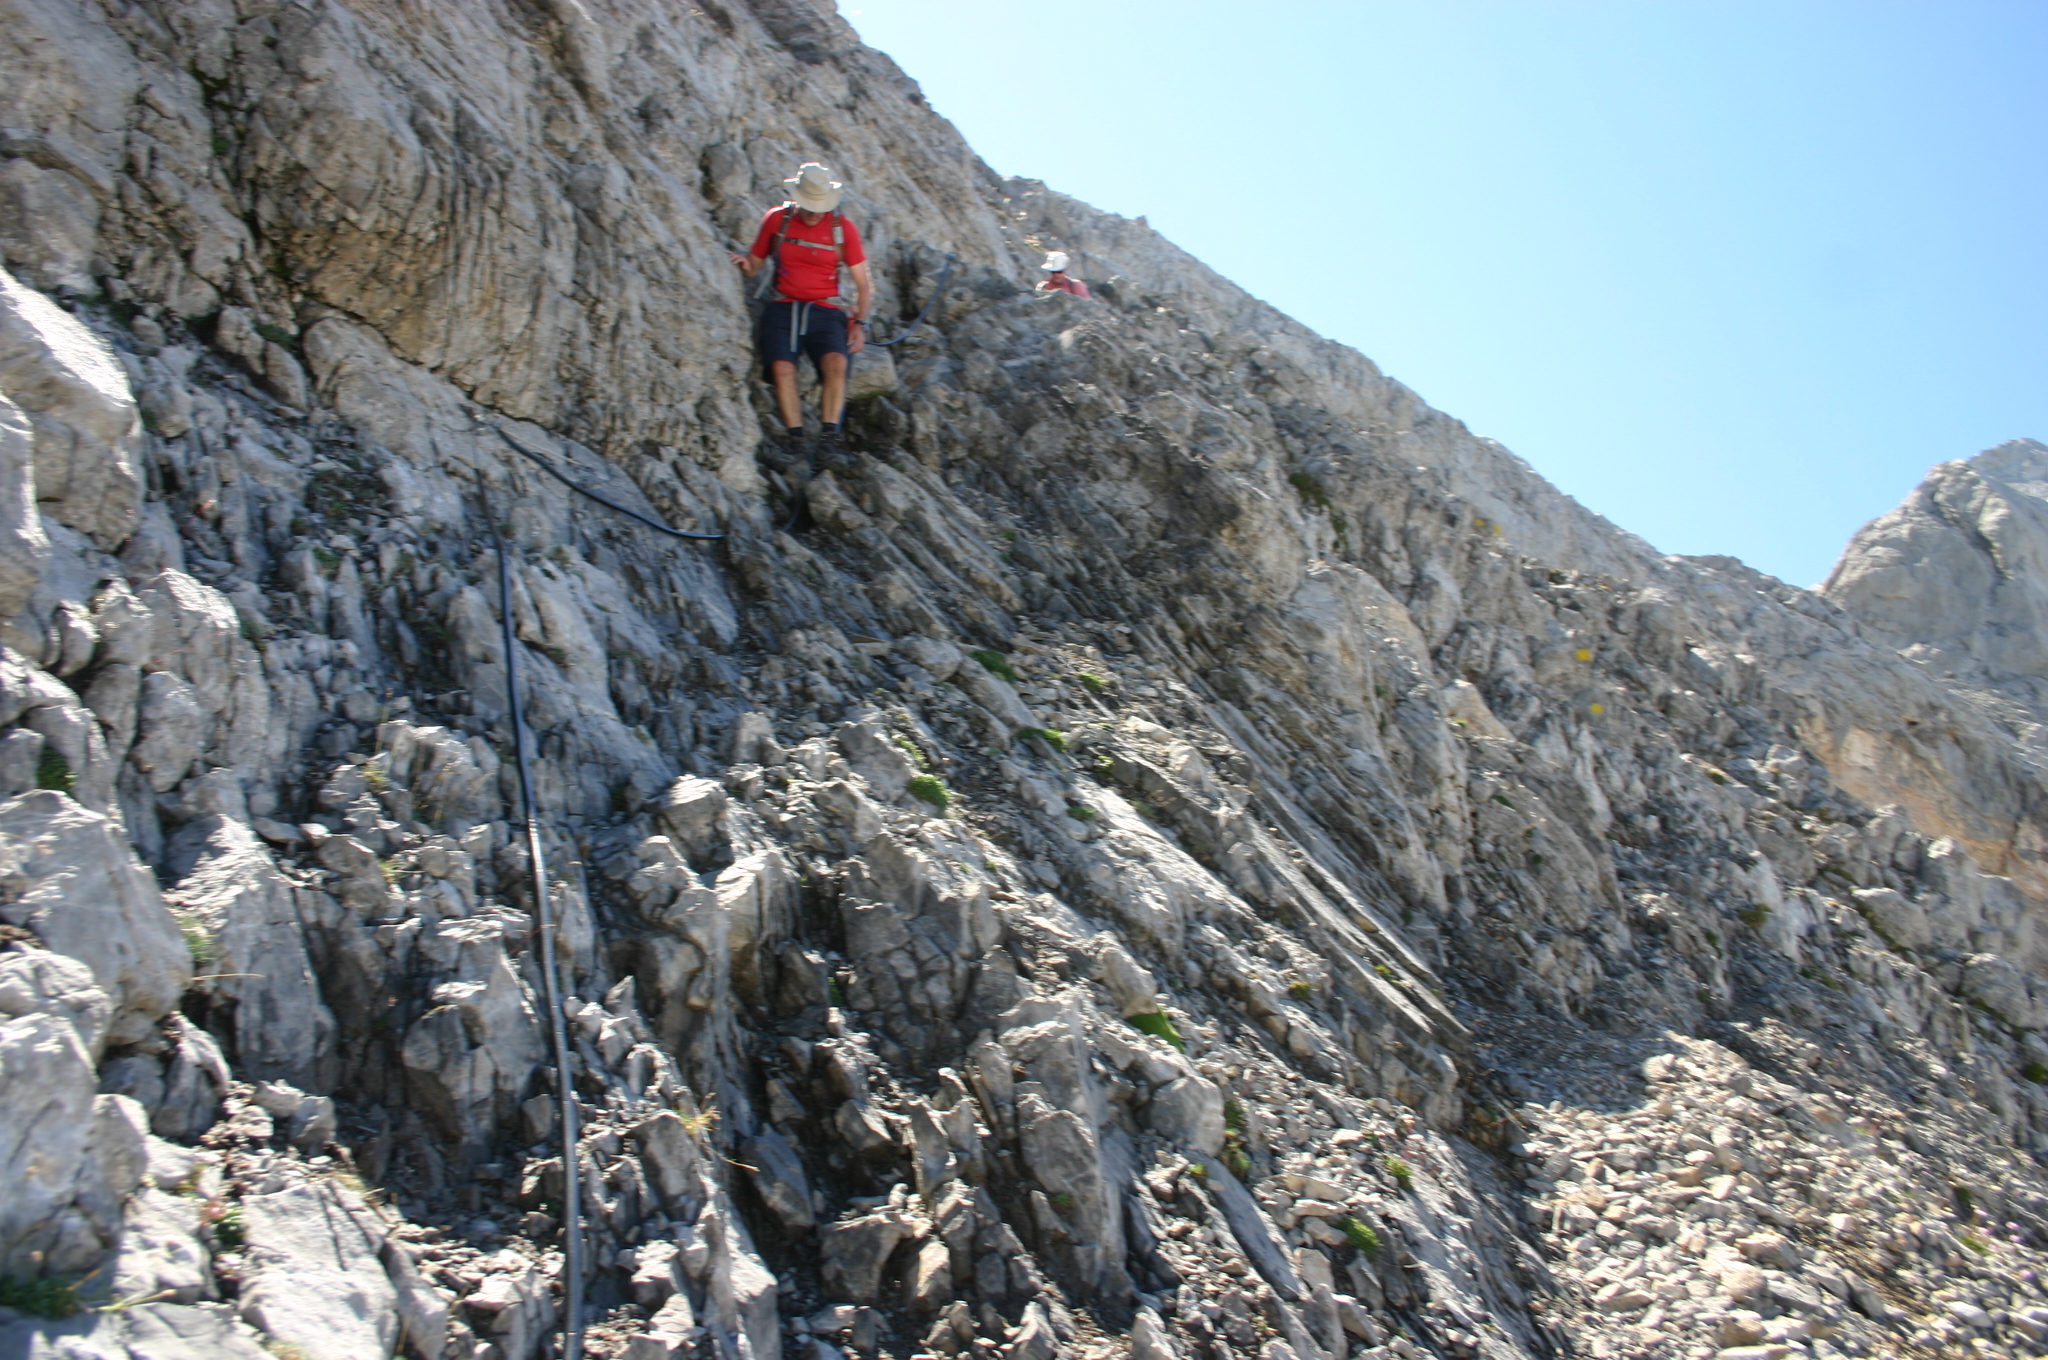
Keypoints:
pixel 782 237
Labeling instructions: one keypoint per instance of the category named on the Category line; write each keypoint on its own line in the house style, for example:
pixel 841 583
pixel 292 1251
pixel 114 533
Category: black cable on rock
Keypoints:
pixel 937 288
pixel 605 501
pixel 543 901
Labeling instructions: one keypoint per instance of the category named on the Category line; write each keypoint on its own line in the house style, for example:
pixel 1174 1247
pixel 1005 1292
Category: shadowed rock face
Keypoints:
pixel 1185 849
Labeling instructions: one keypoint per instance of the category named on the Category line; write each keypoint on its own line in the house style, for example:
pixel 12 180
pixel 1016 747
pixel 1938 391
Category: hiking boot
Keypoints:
pixel 834 454
pixel 786 453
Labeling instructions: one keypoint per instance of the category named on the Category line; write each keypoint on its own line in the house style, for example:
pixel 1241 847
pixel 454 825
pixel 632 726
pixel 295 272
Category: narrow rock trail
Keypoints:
pixel 1184 853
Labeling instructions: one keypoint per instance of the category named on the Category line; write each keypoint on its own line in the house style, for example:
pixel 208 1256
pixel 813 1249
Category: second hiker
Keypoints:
pixel 1057 279
pixel 802 246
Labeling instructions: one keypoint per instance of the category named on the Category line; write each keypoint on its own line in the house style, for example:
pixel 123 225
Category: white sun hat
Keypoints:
pixel 1055 263
pixel 813 189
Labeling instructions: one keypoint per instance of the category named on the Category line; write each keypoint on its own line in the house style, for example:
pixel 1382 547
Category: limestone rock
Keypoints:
pixel 1380 802
pixel 155 1331
pixel 250 915
pixel 315 1280
pixel 77 398
pixel 1961 566
pixel 50 1091
pixel 856 1251
pixel 75 883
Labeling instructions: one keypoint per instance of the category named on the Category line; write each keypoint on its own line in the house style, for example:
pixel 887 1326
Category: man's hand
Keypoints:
pixel 748 264
pixel 856 336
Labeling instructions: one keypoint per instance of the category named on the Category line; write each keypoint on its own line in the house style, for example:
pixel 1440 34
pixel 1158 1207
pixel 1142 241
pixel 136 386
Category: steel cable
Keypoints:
pixel 565 1084
pixel 605 501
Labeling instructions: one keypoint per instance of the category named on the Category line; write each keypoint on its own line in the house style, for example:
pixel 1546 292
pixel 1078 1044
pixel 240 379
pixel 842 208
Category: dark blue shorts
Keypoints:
pixel 795 330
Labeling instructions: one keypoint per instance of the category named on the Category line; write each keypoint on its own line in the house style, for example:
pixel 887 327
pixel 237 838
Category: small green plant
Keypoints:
pixel 225 1218
pixel 929 788
pixel 1969 1238
pixel 1713 938
pixel 1300 989
pixel 1504 801
pixel 393 871
pixel 198 939
pixel 276 335
pixel 1091 682
pixel 327 559
pixel 1754 915
pixel 1159 1025
pixel 1237 1159
pixel 375 776
pixel 1050 736
pixel 835 994
pixel 703 1121
pixel 2036 1073
pixel 1199 1170
pixel 1309 489
pixel 1403 1174
pixel 1233 1115
pixel 53 771
pixel 915 752
pixel 1385 972
pixel 1361 1237
pixel 995 663
pixel 1063 1202
pixel 1081 812
pixel 44 1297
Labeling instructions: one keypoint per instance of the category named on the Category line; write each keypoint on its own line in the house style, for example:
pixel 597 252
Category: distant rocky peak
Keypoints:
pixel 1958 572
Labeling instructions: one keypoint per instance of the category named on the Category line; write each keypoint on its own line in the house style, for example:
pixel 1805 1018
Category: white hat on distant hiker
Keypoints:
pixel 813 189
pixel 1056 262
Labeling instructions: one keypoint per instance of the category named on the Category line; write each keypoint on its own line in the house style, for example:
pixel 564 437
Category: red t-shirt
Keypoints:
pixel 806 273
pixel 1064 283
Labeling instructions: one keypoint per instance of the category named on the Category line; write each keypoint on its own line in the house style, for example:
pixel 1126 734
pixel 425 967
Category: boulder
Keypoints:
pixel 234 891
pixel 314 1278
pixel 151 1331
pixel 689 810
pixel 1188 1112
pixel 37 980
pixel 76 397
pixel 24 547
pixel 48 1077
pixel 856 1251
pixel 778 1175
pixel 71 878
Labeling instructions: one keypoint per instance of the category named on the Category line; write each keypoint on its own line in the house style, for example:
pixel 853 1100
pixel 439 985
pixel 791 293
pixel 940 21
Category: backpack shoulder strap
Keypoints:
pixel 774 260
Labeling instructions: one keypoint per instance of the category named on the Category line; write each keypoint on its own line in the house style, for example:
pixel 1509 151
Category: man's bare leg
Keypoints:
pixel 785 392
pixel 833 402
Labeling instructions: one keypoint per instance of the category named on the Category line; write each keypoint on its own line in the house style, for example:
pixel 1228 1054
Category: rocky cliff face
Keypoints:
pixel 1185 851
pixel 1955 577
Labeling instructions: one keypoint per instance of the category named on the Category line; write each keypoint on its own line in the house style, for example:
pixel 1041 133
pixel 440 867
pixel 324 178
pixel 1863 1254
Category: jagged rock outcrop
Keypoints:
pixel 1956 573
pixel 1184 850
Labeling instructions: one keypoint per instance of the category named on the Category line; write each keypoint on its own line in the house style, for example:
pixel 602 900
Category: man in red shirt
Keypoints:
pixel 1057 279
pixel 804 242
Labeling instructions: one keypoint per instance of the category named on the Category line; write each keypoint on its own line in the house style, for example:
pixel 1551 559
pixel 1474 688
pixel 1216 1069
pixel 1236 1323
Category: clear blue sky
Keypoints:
pixel 1733 274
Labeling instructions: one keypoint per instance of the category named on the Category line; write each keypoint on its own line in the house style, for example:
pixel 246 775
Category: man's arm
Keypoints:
pixel 864 295
pixel 750 263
